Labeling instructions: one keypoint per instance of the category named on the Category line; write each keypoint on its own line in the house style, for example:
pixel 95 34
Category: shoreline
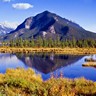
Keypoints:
pixel 89 64
pixel 74 51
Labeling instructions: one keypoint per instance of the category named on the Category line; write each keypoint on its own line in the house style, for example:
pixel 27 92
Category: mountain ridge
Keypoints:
pixel 49 25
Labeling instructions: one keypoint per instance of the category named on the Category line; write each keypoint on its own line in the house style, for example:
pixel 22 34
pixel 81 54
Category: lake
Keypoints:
pixel 70 66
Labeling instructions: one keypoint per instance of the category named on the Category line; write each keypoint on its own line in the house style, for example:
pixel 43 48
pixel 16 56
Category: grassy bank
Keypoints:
pixel 20 82
pixel 66 50
pixel 89 64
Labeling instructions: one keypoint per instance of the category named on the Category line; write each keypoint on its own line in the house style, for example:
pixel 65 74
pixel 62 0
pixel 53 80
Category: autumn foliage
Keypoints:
pixel 21 82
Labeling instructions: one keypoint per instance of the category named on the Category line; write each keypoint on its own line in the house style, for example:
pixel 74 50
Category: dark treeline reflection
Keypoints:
pixel 47 63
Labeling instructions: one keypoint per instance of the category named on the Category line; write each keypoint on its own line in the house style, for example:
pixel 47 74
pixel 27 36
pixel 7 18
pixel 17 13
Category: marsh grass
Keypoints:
pixel 20 82
pixel 89 64
pixel 67 50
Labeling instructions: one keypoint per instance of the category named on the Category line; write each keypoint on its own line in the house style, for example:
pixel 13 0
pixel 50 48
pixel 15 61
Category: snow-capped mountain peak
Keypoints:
pixel 7 24
pixel 7 27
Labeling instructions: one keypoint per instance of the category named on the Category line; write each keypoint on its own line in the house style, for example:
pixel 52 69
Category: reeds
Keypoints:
pixel 20 82
pixel 76 51
pixel 89 64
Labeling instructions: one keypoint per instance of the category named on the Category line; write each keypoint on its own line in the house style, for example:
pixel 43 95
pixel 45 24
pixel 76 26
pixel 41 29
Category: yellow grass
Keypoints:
pixel 75 51
pixel 21 82
pixel 92 64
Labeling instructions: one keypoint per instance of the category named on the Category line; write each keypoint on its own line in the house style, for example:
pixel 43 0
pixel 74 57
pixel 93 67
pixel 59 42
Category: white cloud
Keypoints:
pixel 6 0
pixel 22 6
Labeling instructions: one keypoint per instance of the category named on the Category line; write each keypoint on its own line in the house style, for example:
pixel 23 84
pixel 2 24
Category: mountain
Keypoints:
pixel 5 29
pixel 49 25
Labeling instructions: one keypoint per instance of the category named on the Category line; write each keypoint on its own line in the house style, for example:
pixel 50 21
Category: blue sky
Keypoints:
pixel 82 12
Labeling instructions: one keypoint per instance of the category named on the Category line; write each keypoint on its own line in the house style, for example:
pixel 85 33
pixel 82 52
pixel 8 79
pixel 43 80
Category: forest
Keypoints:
pixel 50 43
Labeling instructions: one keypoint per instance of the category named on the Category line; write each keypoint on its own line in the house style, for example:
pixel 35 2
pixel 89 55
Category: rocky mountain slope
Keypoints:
pixel 49 25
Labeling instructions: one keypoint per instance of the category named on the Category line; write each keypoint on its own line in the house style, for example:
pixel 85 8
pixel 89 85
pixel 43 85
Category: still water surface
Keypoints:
pixel 46 64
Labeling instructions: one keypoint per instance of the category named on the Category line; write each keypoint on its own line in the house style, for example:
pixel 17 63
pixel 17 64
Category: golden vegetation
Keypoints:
pixel 89 64
pixel 20 82
pixel 67 50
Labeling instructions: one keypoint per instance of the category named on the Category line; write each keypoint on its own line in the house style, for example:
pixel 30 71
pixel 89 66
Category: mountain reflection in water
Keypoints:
pixel 9 61
pixel 47 63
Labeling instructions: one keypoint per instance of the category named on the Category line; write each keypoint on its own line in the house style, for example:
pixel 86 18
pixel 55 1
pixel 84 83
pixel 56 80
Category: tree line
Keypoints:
pixel 50 43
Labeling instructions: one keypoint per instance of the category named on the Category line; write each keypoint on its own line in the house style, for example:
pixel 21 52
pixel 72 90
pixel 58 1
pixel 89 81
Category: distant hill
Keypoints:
pixel 5 29
pixel 49 25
